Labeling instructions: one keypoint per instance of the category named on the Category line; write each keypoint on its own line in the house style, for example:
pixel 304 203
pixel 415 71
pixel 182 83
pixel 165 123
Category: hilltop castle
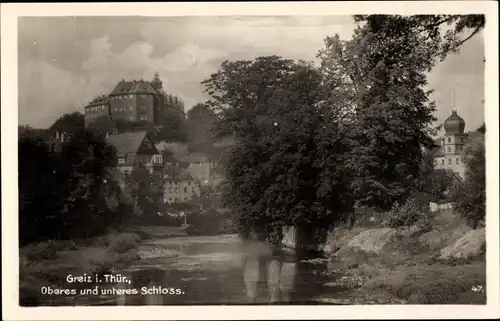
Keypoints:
pixel 133 101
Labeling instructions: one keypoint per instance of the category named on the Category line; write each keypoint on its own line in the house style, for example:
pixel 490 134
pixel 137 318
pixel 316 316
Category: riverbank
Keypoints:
pixel 48 264
pixel 441 265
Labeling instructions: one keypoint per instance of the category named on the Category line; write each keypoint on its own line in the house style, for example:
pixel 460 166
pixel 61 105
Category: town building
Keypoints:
pixel 135 148
pixel 180 186
pixel 450 147
pixel 135 101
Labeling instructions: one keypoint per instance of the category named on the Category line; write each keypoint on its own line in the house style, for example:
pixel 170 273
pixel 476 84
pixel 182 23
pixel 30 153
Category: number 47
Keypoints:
pixel 477 288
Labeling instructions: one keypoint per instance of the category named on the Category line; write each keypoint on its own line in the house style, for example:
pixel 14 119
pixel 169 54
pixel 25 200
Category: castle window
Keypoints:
pixel 449 161
pixel 442 162
pixel 449 149
pixel 458 161
pixel 185 189
pixel 449 139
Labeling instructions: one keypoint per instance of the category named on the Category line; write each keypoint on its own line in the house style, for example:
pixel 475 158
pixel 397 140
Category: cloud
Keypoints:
pixel 74 59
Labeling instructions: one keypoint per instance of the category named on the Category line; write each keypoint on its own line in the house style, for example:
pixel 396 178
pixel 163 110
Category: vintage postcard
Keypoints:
pixel 208 161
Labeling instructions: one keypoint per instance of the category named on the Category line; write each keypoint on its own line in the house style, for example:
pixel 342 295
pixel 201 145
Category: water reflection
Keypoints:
pixel 214 271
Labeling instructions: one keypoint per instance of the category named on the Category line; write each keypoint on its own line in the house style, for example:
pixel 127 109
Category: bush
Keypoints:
pixel 124 242
pixel 405 215
pixel 41 251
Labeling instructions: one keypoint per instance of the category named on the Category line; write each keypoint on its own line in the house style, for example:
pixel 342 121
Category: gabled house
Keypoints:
pixel 134 148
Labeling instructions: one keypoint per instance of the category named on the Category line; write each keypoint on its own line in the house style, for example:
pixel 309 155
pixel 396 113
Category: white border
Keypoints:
pixel 11 310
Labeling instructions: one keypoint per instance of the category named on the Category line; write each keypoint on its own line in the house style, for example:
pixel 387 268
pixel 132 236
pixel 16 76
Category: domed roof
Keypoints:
pixel 454 124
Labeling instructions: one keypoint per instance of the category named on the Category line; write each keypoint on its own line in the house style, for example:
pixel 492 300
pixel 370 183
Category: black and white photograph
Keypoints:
pixel 251 159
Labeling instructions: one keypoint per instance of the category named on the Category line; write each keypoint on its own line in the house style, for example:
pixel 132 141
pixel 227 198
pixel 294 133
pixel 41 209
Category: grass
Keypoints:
pixel 49 263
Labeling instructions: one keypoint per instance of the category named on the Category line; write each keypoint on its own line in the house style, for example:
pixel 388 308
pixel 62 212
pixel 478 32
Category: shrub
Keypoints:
pixel 124 242
pixel 41 251
pixel 405 215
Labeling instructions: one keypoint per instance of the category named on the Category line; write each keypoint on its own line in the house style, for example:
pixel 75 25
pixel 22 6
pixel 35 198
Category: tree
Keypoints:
pixel 64 194
pixel 84 175
pixel 461 28
pixel 147 192
pixel 69 123
pixel 406 215
pixel 482 128
pixel 469 196
pixel 377 81
pixel 278 171
pixel 437 182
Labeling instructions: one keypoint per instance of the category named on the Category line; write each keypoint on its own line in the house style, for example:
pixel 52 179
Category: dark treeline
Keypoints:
pixel 66 192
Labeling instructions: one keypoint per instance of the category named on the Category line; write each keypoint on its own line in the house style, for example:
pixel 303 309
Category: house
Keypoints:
pixel 134 148
pixel 180 186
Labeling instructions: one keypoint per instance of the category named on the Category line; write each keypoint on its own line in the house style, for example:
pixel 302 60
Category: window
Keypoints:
pixel 449 161
pixel 442 162
pixel 189 183
pixel 458 161
pixel 185 189
pixel 449 149
pixel 449 139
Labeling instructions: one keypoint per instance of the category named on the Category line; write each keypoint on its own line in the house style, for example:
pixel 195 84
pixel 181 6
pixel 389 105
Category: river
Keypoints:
pixel 204 270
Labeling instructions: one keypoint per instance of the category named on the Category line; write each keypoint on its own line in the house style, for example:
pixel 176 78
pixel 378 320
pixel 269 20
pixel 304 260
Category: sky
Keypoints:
pixel 64 62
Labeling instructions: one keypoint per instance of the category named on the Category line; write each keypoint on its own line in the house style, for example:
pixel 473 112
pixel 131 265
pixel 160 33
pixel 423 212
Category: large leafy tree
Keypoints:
pixel 378 76
pixel 84 174
pixel 284 166
pixel 64 194
pixel 449 31
pixel 469 196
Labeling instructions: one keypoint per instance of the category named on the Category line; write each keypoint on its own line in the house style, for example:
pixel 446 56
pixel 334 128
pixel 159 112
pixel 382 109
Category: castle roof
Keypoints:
pixel 454 124
pixel 134 87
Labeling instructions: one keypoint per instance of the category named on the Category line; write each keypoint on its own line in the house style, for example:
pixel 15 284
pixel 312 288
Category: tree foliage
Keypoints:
pixel 460 29
pixel 406 215
pixel 469 195
pixel 146 189
pixel 66 194
pixel 278 171
pixel 378 77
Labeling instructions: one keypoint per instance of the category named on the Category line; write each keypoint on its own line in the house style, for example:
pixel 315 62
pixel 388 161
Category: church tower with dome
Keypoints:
pixel 451 145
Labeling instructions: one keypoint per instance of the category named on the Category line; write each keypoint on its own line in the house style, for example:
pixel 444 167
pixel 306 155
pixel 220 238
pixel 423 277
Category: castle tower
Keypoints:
pixel 157 83
pixel 453 142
